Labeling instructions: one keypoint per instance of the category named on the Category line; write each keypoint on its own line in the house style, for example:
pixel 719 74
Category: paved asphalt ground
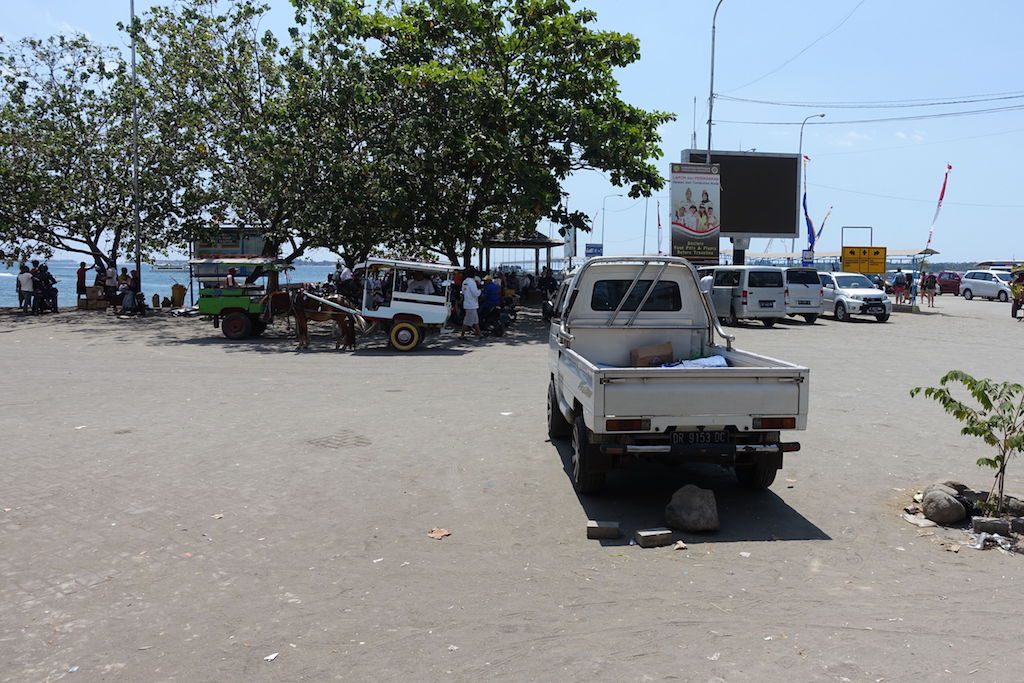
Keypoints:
pixel 177 507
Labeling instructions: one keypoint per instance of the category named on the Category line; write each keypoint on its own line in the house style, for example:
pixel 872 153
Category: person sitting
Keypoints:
pixel 420 284
pixel 230 282
pixel 490 296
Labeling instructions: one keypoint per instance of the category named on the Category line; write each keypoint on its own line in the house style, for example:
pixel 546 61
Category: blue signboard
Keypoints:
pixel 594 250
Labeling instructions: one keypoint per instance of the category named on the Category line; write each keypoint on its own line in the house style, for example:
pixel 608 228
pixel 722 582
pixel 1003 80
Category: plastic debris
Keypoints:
pixel 714 657
pixel 453 648
pixel 918 520
pixel 80 427
pixel 744 554
pixel 912 509
pixel 983 541
pixel 438 533
pixel 271 657
pixel 379 559
pixel 680 545
pixel 217 516
pixel 72 669
pixel 919 496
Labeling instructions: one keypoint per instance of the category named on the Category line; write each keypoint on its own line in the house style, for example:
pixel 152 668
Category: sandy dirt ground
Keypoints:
pixel 177 507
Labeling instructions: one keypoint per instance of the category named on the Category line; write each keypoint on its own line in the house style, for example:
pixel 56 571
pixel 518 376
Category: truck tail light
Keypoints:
pixel 790 447
pixel 785 292
pixel 743 297
pixel 821 292
pixel 774 423
pixel 627 425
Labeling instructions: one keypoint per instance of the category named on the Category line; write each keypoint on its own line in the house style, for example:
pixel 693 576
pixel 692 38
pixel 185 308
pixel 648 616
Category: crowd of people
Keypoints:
pixel 37 288
pixel 906 288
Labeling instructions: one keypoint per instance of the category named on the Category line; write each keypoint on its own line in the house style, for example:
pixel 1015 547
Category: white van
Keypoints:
pixel 804 294
pixel 748 293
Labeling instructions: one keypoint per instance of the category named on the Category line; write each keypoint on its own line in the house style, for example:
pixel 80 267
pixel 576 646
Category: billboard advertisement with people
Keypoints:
pixel 695 212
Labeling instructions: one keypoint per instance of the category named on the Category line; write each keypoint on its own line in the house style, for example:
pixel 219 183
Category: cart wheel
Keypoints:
pixel 405 336
pixel 236 325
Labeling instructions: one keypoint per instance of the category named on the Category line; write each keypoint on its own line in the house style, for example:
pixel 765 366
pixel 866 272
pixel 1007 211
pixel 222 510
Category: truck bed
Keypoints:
pixel 752 385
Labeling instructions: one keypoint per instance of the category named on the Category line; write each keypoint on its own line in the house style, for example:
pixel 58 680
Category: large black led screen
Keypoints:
pixel 760 192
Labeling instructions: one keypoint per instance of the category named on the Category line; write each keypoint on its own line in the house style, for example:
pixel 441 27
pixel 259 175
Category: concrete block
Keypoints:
pixel 653 538
pixel 991 525
pixel 596 529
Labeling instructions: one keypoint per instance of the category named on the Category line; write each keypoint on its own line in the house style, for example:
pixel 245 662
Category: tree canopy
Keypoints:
pixel 419 127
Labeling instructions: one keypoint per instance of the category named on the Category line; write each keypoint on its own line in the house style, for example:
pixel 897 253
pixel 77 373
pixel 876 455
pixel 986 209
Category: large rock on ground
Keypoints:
pixel 941 507
pixel 692 509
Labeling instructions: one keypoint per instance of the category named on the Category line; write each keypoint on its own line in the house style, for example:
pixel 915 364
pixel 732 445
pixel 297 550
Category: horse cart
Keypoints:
pixel 408 300
pixel 237 310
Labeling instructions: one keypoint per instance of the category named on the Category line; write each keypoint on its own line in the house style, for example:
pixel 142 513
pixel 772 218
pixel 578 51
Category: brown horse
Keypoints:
pixel 296 304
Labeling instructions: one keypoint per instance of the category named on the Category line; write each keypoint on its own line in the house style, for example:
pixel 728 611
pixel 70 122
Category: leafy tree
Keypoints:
pixel 66 154
pixel 499 101
pixel 998 419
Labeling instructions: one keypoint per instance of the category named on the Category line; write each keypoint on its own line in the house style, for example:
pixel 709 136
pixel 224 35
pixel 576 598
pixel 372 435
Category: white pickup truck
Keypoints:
pixel 730 415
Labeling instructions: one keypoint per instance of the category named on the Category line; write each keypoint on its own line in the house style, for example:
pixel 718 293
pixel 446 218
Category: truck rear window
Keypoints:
pixel 803 277
pixel 764 278
pixel 608 294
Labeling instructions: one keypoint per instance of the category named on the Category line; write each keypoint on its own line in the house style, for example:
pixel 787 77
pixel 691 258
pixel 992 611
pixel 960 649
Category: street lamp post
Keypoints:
pixel 135 156
pixel 800 160
pixel 603 211
pixel 711 89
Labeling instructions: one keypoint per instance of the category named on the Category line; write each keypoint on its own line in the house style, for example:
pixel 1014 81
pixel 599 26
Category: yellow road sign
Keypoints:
pixel 864 260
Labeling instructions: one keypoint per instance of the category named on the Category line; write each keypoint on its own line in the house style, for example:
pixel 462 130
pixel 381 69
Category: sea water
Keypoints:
pixel 157 282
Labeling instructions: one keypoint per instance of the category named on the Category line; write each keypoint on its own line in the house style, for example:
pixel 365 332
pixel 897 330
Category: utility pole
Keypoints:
pixel 135 155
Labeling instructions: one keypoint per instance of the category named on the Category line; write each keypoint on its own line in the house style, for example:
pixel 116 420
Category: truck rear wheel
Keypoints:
pixel 757 476
pixel 809 318
pixel 236 325
pixel 768 322
pixel 558 426
pixel 584 477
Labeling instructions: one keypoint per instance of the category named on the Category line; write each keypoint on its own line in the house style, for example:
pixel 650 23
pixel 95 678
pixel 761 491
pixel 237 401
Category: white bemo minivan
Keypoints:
pixel 748 293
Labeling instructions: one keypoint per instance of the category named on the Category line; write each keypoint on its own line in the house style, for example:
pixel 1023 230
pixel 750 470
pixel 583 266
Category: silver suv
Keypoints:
pixel 988 284
pixel 849 294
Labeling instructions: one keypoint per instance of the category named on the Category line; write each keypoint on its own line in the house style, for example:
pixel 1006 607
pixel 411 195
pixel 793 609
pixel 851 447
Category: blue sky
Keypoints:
pixel 883 174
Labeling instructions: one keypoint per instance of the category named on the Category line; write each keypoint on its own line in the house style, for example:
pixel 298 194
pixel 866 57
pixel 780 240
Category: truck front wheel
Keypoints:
pixel 558 426
pixel 585 478
pixel 757 476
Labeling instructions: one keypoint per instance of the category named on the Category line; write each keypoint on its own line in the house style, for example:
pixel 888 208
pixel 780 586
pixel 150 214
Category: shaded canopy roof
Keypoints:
pixel 537 240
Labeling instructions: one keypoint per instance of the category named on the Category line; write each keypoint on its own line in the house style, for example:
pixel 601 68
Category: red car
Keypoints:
pixel 949 282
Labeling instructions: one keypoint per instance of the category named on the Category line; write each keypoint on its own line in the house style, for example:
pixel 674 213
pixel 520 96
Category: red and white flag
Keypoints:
pixel 938 207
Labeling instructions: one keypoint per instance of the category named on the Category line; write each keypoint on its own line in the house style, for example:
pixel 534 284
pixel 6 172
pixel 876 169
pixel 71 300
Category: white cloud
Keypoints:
pixel 852 139
pixel 916 137
pixel 64 27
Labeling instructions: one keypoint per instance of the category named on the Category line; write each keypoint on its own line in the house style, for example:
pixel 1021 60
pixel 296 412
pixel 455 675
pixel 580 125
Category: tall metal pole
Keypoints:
pixel 711 89
pixel 602 217
pixel 647 203
pixel 135 156
pixel 800 160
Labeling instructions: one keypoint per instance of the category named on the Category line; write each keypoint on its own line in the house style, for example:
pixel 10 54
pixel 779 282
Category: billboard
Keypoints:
pixel 230 241
pixel 762 191
pixel 591 249
pixel 695 212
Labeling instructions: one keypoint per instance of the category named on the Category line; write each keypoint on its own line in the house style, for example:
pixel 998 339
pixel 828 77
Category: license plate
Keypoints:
pixel 875 308
pixel 803 302
pixel 767 304
pixel 700 438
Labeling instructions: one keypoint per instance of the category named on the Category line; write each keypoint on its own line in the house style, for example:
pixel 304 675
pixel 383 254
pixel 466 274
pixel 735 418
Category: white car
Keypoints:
pixel 988 284
pixel 804 294
pixel 849 294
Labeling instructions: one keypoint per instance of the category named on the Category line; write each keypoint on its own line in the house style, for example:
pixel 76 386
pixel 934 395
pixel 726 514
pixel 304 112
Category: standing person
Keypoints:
pixel 80 285
pixel 899 286
pixel 25 289
pixel 470 304
pixel 110 284
pixel 930 285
